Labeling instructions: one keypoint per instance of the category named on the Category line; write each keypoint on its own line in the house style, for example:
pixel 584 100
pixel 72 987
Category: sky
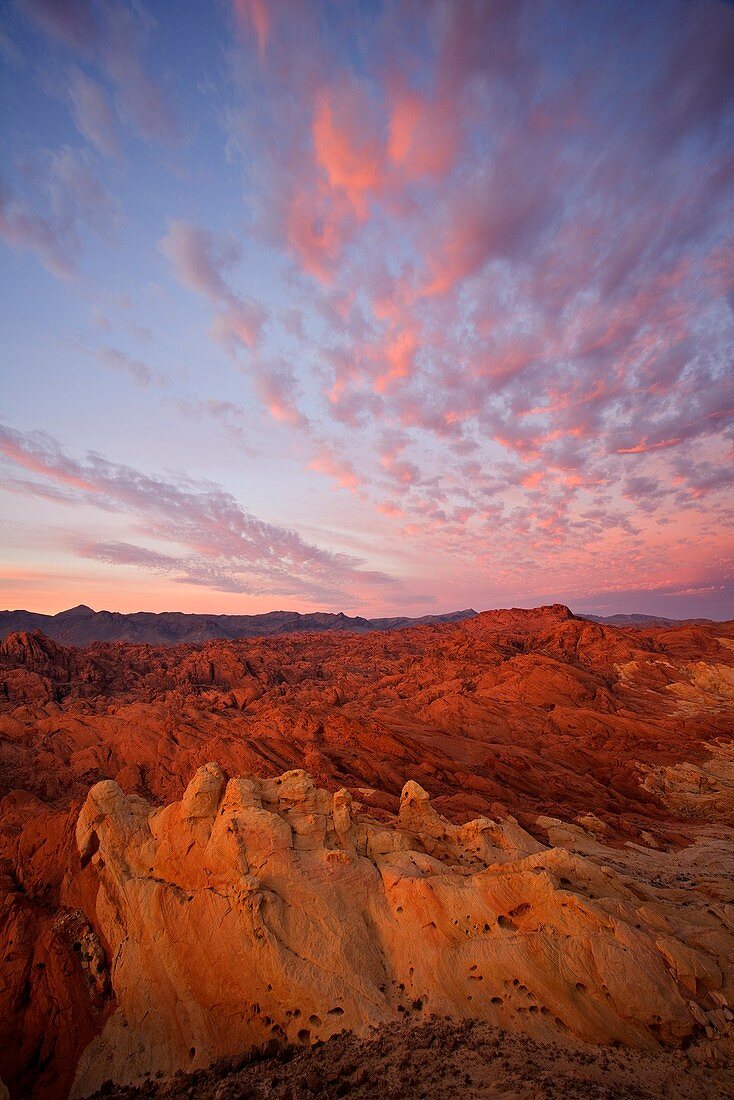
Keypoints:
pixel 375 307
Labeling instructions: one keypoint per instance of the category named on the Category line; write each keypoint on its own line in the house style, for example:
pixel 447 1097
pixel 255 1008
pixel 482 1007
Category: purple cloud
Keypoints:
pixel 201 262
pixel 92 113
pixel 113 36
pixel 136 369
pixel 225 547
pixel 63 201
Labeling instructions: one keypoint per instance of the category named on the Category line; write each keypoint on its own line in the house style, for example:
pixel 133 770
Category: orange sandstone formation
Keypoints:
pixel 260 908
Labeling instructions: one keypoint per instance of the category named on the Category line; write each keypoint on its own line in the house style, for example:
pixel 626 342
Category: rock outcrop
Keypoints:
pixel 270 908
pixel 704 790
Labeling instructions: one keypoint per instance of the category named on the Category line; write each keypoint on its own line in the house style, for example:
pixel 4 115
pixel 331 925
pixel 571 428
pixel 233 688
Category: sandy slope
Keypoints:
pixel 453 1061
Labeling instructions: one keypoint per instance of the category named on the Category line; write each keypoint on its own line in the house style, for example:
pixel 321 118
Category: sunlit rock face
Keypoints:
pixel 255 908
pixel 607 746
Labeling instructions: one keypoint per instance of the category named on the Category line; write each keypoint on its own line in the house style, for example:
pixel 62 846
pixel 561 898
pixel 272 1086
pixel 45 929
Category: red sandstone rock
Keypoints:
pixel 535 714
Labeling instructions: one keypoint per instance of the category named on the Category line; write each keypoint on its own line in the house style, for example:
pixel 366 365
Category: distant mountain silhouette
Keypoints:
pixel 642 620
pixel 82 625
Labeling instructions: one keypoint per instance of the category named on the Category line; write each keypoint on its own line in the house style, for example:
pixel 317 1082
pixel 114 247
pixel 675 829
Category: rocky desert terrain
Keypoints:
pixel 333 863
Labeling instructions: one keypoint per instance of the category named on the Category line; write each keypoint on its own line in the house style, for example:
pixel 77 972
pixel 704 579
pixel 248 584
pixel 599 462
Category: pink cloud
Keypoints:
pixel 400 354
pixel 316 230
pixel 347 145
pixel 136 369
pixel 254 15
pixel 223 545
pixel 324 461
pixel 643 447
pixel 276 386
pixel 423 136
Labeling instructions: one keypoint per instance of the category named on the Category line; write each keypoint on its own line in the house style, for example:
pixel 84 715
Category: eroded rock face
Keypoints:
pixel 703 790
pixel 36 667
pixel 259 908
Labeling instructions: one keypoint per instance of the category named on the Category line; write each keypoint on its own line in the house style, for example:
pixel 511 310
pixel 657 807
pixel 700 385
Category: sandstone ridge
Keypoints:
pixel 255 909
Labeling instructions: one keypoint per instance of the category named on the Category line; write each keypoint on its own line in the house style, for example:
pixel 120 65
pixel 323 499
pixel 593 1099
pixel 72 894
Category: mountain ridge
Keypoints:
pixel 81 625
pixel 642 620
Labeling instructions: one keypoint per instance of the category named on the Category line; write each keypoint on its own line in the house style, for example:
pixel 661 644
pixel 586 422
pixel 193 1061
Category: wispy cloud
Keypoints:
pixel 201 262
pixel 222 545
pixel 113 37
pixel 134 368
pixel 92 112
pixel 63 200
